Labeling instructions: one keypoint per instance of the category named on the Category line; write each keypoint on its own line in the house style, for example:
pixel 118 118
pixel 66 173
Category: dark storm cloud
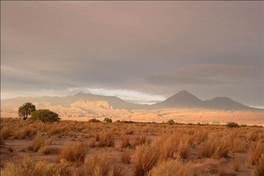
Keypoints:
pixel 151 47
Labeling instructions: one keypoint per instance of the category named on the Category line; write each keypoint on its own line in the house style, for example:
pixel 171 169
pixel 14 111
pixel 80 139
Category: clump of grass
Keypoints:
pixel 254 152
pixel 56 130
pixel 201 136
pixel 2 142
pixel 138 141
pixel 40 144
pixel 168 145
pixel 129 131
pixel 25 132
pixel 126 157
pixel 223 172
pixel 125 142
pixel 91 143
pixel 106 140
pixel 238 145
pixel 172 168
pixel 146 157
pixel 6 132
pixel 30 167
pixel 223 148
pixel 217 147
pixel 252 136
pixel 74 153
pixel 100 165
pixel 141 139
pixel 260 166
pixel 183 149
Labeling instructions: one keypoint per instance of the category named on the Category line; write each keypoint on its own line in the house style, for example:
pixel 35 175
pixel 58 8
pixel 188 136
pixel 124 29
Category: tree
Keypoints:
pixel 94 120
pixel 232 125
pixel 45 115
pixel 108 120
pixel 26 109
pixel 170 122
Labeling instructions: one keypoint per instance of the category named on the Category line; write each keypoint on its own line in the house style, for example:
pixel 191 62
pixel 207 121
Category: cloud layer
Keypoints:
pixel 208 48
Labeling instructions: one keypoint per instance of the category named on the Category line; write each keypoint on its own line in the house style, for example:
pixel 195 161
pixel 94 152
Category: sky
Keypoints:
pixel 142 52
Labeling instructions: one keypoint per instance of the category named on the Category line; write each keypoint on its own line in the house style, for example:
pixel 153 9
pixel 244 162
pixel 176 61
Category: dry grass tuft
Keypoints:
pixel 226 173
pixel 6 132
pixel 238 145
pixel 254 152
pixel 252 136
pixel 183 149
pixel 168 145
pixel 91 143
pixel 201 136
pixel 40 144
pixel 29 167
pixel 100 165
pixel 125 141
pixel 2 142
pixel 260 166
pixel 106 140
pixel 172 168
pixel 26 132
pixel 74 153
pixel 217 147
pixel 146 157
pixel 126 157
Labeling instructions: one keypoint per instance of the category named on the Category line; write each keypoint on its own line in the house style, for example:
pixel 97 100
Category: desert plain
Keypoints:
pixel 137 143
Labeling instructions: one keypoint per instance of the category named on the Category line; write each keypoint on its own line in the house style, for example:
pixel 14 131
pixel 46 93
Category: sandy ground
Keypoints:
pixel 205 166
pixel 15 149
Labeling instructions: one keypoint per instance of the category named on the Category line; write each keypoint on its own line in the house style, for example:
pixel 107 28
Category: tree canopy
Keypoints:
pixel 108 120
pixel 26 109
pixel 45 115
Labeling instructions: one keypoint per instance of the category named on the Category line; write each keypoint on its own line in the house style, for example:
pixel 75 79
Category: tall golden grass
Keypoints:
pixel 146 156
pixel 74 153
pixel 100 165
pixel 254 152
pixel 29 167
pixel 260 166
pixel 172 168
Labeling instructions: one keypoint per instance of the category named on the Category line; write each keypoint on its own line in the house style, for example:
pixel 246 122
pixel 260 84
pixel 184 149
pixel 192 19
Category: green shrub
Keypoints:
pixel 232 125
pixel 108 120
pixel 45 115
pixel 94 120
pixel 170 122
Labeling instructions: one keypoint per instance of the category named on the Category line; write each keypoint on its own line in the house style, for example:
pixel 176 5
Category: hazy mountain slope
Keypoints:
pixel 224 103
pixel 182 99
pixel 114 102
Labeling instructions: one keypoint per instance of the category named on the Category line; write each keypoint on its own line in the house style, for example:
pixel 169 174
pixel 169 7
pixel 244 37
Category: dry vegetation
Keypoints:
pixel 129 149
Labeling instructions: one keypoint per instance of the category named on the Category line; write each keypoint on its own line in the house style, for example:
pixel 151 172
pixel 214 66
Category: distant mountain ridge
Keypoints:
pixel 182 99
pixel 114 102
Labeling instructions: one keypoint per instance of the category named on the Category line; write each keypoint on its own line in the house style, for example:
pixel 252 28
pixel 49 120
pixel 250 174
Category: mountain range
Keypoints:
pixel 182 99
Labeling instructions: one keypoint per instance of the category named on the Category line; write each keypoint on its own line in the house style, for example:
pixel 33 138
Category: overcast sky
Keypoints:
pixel 140 51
